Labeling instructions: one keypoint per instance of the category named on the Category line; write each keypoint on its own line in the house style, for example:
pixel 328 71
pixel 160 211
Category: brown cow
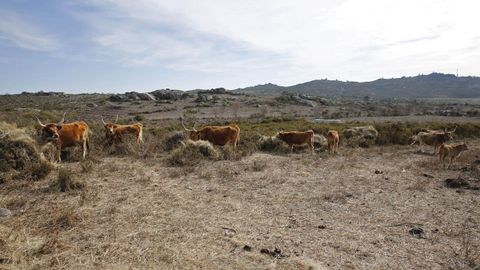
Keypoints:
pixel 66 135
pixel 434 138
pixel 452 151
pixel 217 135
pixel 297 138
pixel 333 139
pixel 114 132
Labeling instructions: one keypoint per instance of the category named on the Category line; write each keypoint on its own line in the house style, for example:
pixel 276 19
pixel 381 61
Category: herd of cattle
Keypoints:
pixel 64 135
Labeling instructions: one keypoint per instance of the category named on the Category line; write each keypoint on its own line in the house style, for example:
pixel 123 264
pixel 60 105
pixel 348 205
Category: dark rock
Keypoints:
pixel 117 98
pixel 4 213
pixel 167 94
pixel 247 248
pixel 417 232
pixel 456 183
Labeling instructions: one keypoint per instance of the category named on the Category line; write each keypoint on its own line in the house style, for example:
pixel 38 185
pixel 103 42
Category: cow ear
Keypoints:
pixel 59 127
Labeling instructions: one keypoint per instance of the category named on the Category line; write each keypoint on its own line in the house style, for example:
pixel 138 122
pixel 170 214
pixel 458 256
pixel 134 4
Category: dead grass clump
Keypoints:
pixel 48 151
pixel 66 181
pixel 172 140
pixel 259 165
pixel 272 144
pixel 457 183
pixel 470 246
pixel 87 166
pixel 320 142
pixel 360 136
pixel 51 245
pixel 128 146
pixel 19 156
pixel 64 219
pixel 9 240
pixel 191 153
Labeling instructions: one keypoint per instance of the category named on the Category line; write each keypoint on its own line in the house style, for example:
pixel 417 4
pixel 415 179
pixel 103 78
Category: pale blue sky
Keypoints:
pixel 143 45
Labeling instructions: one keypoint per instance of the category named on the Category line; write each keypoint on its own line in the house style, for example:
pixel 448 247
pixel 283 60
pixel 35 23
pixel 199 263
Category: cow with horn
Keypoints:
pixel 217 135
pixel 114 132
pixel 434 138
pixel 64 135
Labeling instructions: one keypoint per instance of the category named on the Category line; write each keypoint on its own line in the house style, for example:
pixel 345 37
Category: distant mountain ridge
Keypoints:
pixel 422 86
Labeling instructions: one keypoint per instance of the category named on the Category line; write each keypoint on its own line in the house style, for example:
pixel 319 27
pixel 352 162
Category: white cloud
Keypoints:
pixel 24 34
pixel 294 40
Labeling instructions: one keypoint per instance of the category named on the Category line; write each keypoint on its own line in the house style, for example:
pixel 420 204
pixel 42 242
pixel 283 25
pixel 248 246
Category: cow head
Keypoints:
pixel 448 135
pixel 50 131
pixel 193 134
pixel 109 127
pixel 280 133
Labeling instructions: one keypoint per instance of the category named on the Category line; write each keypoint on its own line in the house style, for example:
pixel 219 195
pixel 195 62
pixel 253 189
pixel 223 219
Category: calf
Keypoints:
pixel 114 132
pixel 451 151
pixel 333 139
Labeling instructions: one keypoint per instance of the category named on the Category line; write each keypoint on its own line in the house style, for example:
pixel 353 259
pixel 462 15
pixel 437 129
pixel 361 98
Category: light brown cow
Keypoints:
pixel 217 135
pixel 433 138
pixel 297 138
pixel 451 151
pixel 333 139
pixel 66 135
pixel 114 132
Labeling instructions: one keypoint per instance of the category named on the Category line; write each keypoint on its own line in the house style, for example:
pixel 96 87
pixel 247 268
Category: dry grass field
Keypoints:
pixel 387 206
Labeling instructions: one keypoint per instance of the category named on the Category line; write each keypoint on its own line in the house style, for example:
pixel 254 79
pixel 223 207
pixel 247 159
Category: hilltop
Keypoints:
pixel 422 86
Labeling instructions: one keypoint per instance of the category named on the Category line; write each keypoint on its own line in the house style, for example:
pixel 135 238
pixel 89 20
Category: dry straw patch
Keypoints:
pixel 19 155
pixel 192 152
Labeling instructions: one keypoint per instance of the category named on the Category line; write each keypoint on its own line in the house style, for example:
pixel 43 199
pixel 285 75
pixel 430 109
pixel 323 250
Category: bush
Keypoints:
pixel 360 136
pixel 173 139
pixel 191 153
pixel 19 155
pixel 139 117
pixel 272 144
pixel 66 182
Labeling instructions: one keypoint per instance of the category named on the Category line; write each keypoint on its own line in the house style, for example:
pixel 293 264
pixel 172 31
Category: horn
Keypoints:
pixel 63 119
pixel 116 120
pixel 103 121
pixel 194 123
pixel 184 125
pixel 40 123
pixel 454 129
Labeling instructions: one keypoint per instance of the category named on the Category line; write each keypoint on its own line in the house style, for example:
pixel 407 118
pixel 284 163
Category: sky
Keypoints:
pixel 143 45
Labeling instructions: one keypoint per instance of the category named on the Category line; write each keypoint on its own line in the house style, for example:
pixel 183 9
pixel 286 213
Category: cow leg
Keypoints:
pixel 84 148
pixel 58 153
pixel 450 163
pixel 291 148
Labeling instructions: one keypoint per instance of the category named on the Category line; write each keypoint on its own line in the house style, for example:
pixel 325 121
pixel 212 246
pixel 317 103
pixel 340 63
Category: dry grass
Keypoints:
pixel 164 205
pixel 262 211
pixel 192 153
pixel 19 155
pixel 66 181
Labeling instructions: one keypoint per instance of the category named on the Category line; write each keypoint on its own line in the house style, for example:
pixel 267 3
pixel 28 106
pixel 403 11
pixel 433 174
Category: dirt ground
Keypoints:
pixel 376 208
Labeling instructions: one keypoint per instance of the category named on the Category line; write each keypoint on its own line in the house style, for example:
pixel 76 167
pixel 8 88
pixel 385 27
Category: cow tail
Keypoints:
pixel 312 138
pixel 140 135
pixel 238 136
pixel 414 140
pixel 88 144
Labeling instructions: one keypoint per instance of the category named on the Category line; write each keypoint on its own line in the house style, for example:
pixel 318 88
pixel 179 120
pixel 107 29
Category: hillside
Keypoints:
pixel 421 86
